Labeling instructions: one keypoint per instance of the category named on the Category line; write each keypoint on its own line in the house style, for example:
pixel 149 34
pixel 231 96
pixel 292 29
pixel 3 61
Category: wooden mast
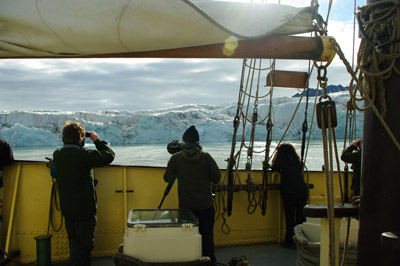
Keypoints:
pixel 380 181
pixel 278 47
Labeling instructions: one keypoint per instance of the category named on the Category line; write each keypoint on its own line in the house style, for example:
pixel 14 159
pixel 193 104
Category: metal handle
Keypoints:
pixel 127 191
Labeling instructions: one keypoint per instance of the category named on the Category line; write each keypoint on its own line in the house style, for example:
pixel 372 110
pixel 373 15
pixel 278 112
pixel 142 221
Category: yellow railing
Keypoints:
pixel 26 203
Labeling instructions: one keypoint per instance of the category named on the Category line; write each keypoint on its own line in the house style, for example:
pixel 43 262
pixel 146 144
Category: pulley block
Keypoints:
pixel 326 109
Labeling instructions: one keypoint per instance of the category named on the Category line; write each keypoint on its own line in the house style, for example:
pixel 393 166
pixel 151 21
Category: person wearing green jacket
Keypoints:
pixel 6 157
pixel 196 170
pixel 352 154
pixel 73 169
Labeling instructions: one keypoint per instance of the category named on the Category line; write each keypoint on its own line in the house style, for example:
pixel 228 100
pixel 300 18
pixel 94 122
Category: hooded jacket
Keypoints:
pixel 196 170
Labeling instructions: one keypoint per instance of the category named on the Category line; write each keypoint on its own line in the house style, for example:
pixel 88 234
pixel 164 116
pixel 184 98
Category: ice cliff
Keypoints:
pixel 214 123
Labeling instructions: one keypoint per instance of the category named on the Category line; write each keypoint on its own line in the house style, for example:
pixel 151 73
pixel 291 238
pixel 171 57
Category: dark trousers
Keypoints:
pixel 293 206
pixel 206 228
pixel 81 240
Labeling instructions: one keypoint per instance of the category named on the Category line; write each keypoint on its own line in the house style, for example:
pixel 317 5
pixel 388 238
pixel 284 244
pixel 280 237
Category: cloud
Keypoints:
pixel 131 84
pixel 143 84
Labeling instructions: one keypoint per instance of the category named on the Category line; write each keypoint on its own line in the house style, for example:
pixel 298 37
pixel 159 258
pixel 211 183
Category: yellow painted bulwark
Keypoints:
pixel 32 198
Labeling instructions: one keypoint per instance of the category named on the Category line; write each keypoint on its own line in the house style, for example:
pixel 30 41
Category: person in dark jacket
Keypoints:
pixel 6 157
pixel 73 168
pixel 294 190
pixel 352 154
pixel 196 170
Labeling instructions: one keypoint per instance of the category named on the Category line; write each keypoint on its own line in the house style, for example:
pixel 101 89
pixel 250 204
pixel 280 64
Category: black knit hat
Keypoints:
pixel 191 135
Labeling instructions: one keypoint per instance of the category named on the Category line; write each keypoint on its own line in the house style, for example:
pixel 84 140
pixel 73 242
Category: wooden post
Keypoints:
pixel 321 211
pixel 380 178
pixel 324 243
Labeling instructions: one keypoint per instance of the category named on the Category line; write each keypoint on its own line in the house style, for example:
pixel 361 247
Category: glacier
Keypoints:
pixel 214 123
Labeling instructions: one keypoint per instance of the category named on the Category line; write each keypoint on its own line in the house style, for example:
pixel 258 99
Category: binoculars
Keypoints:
pixel 175 146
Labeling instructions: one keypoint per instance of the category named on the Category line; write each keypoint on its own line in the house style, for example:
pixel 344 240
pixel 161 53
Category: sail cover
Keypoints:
pixel 52 28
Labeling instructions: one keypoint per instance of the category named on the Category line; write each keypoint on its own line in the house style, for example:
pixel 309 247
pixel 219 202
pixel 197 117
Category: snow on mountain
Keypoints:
pixel 329 89
pixel 214 123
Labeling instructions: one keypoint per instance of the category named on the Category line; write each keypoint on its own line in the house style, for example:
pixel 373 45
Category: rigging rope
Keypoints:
pixel 326 114
pixel 228 178
pixel 329 184
pixel 351 118
pixel 375 63
pixel 365 93
pixel 305 125
pixel 268 142
pixel 327 15
pixel 250 98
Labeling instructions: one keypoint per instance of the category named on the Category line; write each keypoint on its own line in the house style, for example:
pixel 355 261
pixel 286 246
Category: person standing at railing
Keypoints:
pixel 352 154
pixel 196 170
pixel 6 157
pixel 294 190
pixel 73 165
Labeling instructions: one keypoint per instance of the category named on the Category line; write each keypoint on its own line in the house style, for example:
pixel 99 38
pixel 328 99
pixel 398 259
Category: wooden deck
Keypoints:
pixel 256 255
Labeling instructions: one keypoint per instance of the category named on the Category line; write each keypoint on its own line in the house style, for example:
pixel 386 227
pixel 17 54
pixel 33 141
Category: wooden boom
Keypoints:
pixel 275 47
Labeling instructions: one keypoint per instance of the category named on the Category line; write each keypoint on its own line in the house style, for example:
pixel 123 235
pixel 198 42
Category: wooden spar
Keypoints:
pixel 275 47
pixel 380 182
pixel 282 47
pixel 287 79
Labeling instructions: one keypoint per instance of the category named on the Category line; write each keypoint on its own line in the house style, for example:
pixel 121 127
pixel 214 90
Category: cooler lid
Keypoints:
pixel 161 217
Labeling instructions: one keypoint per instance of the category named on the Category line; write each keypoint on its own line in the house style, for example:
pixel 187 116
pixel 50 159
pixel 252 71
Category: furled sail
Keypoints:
pixel 58 28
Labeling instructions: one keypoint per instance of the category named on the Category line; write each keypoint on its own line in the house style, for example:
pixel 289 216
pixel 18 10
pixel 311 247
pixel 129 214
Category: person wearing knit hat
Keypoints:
pixel 196 170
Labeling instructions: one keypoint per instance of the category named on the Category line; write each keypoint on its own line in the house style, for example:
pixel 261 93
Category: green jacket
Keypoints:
pixel 195 170
pixel 75 182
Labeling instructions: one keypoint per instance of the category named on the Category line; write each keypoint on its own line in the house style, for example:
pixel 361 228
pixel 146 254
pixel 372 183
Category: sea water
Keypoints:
pixel 158 156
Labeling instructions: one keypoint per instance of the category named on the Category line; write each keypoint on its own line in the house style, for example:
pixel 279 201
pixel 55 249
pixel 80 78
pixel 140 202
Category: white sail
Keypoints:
pixel 52 28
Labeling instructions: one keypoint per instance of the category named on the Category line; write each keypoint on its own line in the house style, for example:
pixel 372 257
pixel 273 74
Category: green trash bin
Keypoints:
pixel 43 250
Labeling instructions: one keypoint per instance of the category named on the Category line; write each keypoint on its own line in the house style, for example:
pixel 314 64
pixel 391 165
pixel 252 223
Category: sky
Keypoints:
pixel 148 84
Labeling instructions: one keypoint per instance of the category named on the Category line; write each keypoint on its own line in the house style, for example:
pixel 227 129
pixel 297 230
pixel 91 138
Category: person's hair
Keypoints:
pixel 72 132
pixel 287 152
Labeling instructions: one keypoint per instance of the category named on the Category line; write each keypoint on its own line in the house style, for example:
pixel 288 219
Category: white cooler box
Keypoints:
pixel 163 235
